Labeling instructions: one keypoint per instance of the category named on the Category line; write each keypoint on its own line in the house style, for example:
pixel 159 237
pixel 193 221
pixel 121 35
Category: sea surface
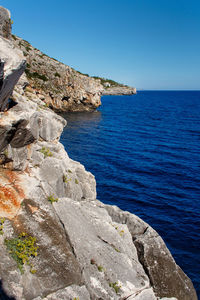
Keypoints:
pixel 144 151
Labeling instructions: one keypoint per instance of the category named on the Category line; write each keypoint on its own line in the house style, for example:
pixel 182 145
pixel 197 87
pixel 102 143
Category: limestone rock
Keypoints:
pixel 119 90
pixel 166 277
pixel 70 292
pixel 59 86
pixel 5 23
pixel 12 68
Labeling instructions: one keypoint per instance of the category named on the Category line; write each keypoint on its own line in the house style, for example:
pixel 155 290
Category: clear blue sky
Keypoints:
pixel 150 44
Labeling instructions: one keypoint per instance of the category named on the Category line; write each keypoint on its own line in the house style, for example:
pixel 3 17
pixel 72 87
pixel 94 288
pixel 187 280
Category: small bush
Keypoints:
pixel 21 249
pixel 57 75
pixel 2 220
pixel 115 286
pixel 46 152
pixel 35 75
pixel 66 179
pixel 100 268
pixel 52 199
pixel 27 48
pixel 14 37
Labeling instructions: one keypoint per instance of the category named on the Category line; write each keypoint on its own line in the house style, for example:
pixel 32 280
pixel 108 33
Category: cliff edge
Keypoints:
pixel 57 240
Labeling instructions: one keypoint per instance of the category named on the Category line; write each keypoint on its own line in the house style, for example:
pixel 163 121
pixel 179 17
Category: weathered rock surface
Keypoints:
pixel 5 23
pixel 119 90
pixel 86 249
pixel 12 65
pixel 59 86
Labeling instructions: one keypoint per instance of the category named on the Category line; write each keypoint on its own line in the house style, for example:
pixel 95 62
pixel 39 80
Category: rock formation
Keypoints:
pixel 119 90
pixel 112 87
pixel 57 241
pixel 59 86
pixel 5 23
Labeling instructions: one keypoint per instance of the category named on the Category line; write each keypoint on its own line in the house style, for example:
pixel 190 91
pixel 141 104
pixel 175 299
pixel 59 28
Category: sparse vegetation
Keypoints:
pixel 35 75
pixel 76 181
pixel 52 199
pixel 46 152
pixel 5 152
pixel 115 286
pixel 100 268
pixel 21 249
pixel 2 220
pixel 117 250
pixel 57 75
pixel 66 179
pixel 27 48
pixel 105 81
pixel 82 73
pixel 14 37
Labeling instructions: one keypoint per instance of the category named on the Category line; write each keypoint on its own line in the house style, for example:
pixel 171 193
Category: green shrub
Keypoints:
pixel 35 75
pixel 27 48
pixel 46 152
pixel 52 199
pixel 100 268
pixel 57 75
pixel 21 249
pixel 14 37
pixel 66 179
pixel 105 80
pixel 115 286
pixel 2 220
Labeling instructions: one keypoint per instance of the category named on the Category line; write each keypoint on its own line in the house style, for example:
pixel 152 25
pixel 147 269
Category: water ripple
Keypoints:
pixel 144 151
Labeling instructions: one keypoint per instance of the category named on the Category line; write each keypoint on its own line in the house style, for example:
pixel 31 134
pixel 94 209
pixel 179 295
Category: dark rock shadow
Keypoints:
pixel 3 295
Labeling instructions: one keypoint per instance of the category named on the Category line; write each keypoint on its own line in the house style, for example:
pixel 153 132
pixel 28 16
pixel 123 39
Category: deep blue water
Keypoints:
pixel 144 151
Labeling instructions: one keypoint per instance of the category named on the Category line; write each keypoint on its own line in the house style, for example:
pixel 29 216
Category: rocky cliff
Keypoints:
pixel 57 240
pixel 119 90
pixel 112 87
pixel 59 86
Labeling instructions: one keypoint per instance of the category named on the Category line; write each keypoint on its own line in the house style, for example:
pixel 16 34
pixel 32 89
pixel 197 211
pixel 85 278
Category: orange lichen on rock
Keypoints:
pixel 11 193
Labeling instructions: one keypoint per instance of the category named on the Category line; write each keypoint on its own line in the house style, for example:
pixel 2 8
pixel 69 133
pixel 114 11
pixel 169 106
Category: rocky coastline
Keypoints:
pixel 59 86
pixel 119 91
pixel 57 240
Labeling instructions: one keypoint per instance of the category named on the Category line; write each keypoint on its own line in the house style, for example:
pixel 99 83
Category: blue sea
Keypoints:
pixel 144 151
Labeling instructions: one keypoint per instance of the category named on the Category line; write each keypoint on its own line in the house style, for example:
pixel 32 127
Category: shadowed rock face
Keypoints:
pixel 86 250
pixel 5 23
pixel 12 65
